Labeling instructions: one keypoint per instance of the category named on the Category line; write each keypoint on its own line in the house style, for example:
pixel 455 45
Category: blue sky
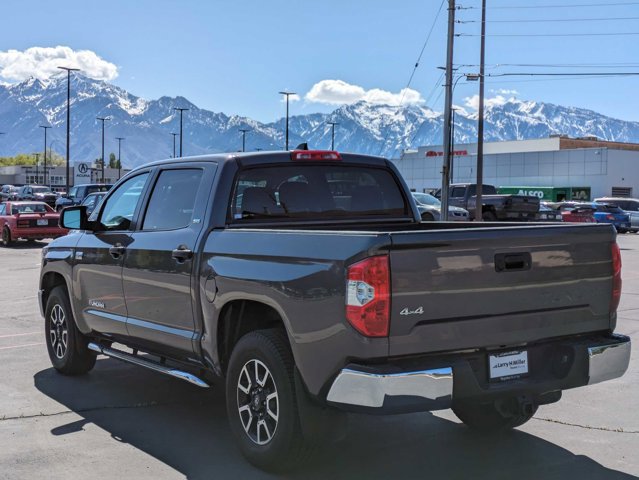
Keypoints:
pixel 235 56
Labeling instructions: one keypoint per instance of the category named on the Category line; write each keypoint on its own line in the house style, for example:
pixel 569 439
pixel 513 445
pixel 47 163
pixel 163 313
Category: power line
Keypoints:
pixel 419 58
pixel 513 7
pixel 556 65
pixel 563 74
pixel 546 20
pixel 612 34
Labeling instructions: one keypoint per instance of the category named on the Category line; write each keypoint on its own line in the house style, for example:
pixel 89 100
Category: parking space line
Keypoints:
pixel 22 346
pixel 20 334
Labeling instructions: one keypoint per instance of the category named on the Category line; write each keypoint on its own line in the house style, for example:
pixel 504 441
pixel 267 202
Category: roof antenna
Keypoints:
pixel 302 146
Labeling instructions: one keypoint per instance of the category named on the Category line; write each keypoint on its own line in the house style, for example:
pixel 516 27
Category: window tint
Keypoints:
pixel 73 192
pixel 2 207
pixel 316 191
pixel 119 208
pixel 457 192
pixel 173 199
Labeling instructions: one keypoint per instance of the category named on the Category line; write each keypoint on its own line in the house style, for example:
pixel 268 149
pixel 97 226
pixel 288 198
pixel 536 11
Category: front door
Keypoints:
pixel 98 296
pixel 159 261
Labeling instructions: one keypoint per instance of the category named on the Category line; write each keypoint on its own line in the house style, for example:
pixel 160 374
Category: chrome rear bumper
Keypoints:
pixel 608 361
pixel 365 389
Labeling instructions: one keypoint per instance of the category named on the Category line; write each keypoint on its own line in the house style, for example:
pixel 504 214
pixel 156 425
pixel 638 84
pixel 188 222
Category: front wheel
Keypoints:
pixel 488 418
pixel 7 241
pixel 261 401
pixel 67 346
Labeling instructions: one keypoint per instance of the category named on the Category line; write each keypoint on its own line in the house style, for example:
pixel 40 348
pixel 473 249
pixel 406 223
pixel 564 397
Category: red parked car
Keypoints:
pixel 28 220
pixel 577 212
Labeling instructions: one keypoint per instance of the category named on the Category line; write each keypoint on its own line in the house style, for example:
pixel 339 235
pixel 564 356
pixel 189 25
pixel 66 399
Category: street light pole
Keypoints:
pixel 174 135
pixel 69 70
pixel 45 153
pixel 119 139
pixel 288 94
pixel 332 124
pixel 181 110
pixel 37 175
pixel 102 119
pixel 244 130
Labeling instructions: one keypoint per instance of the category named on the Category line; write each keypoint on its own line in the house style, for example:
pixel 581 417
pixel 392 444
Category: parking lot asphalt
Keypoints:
pixel 123 421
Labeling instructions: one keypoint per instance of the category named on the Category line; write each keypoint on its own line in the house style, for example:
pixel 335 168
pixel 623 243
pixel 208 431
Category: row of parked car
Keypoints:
pixel 623 213
pixel 31 212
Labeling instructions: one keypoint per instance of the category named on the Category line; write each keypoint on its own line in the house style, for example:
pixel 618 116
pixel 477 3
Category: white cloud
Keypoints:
pixel 473 102
pixel 505 91
pixel 42 62
pixel 338 92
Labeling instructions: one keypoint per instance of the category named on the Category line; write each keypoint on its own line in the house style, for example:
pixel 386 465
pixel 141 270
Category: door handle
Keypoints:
pixel 116 251
pixel 182 254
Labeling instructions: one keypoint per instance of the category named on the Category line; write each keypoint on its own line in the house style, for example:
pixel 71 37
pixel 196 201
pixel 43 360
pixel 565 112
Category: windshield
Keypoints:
pixel 30 208
pixel 41 190
pixel 426 199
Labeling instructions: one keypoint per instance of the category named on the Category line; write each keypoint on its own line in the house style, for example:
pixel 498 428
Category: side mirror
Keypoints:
pixel 75 218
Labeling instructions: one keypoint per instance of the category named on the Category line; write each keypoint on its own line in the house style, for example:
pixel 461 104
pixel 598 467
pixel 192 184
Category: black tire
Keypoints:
pixel 489 216
pixel 487 418
pixel 71 357
pixel 622 230
pixel 427 217
pixel 248 403
pixel 7 241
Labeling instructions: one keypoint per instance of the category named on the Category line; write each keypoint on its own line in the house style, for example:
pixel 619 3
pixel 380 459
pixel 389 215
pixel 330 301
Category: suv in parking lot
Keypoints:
pixel 78 193
pixel 628 205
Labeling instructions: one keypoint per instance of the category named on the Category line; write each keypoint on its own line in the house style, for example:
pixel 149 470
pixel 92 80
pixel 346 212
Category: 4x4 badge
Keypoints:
pixel 418 311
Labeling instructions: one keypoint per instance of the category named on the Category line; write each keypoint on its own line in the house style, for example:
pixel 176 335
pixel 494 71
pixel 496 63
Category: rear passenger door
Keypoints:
pixel 158 268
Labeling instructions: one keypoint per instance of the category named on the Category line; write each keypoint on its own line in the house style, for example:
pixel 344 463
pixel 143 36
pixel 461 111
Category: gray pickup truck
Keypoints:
pixel 310 301
pixel 502 207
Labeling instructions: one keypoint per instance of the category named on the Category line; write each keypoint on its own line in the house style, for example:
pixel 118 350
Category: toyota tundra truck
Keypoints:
pixel 309 302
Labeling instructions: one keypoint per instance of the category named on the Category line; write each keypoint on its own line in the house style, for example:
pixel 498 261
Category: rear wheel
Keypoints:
pixel 489 216
pixel 261 401
pixel 7 241
pixel 66 345
pixel 488 418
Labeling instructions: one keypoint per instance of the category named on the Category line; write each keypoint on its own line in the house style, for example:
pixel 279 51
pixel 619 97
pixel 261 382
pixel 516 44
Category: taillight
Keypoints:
pixel 610 217
pixel 616 278
pixel 368 296
pixel 23 223
pixel 315 155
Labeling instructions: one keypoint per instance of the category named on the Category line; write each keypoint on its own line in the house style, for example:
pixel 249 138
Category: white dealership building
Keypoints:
pixel 608 168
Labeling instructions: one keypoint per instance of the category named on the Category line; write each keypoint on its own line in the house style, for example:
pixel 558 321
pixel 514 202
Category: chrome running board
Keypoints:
pixel 135 360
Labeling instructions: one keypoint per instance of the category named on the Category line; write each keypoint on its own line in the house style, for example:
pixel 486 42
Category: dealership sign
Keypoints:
pixel 81 173
pixel 457 153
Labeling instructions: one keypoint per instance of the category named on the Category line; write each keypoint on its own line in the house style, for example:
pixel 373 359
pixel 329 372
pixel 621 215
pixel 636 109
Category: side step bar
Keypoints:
pixel 134 359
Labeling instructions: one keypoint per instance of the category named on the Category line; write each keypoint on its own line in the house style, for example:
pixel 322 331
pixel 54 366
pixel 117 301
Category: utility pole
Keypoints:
pixel 102 162
pixel 288 94
pixel 480 115
pixel 332 124
pixel 119 139
pixel 244 130
pixel 181 110
pixel 69 70
pixel 174 135
pixel 45 153
pixel 447 109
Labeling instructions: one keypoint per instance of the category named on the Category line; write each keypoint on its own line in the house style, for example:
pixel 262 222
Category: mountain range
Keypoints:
pixel 363 127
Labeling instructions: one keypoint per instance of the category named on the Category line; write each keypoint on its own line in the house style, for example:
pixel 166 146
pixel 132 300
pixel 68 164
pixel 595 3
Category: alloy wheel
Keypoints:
pixel 257 402
pixel 58 331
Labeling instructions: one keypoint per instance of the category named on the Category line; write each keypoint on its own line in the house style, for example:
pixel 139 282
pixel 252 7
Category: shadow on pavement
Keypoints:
pixel 186 428
pixel 25 245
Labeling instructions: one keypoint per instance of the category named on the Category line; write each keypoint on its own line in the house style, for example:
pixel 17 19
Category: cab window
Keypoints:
pixel 173 200
pixel 119 208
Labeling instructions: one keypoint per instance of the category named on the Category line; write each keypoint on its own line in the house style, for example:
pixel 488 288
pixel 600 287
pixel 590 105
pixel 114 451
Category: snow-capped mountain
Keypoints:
pixel 363 127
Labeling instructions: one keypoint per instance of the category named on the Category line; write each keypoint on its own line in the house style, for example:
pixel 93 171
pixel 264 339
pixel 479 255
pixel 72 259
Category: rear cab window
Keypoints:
pixel 316 192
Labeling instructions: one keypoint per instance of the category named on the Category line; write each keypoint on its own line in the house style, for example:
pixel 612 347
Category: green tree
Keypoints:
pixel 112 160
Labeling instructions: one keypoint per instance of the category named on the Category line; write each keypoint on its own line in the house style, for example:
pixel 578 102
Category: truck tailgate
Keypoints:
pixel 492 287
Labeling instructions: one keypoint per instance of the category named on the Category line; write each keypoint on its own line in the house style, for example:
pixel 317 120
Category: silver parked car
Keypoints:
pixel 430 209
pixel 628 205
